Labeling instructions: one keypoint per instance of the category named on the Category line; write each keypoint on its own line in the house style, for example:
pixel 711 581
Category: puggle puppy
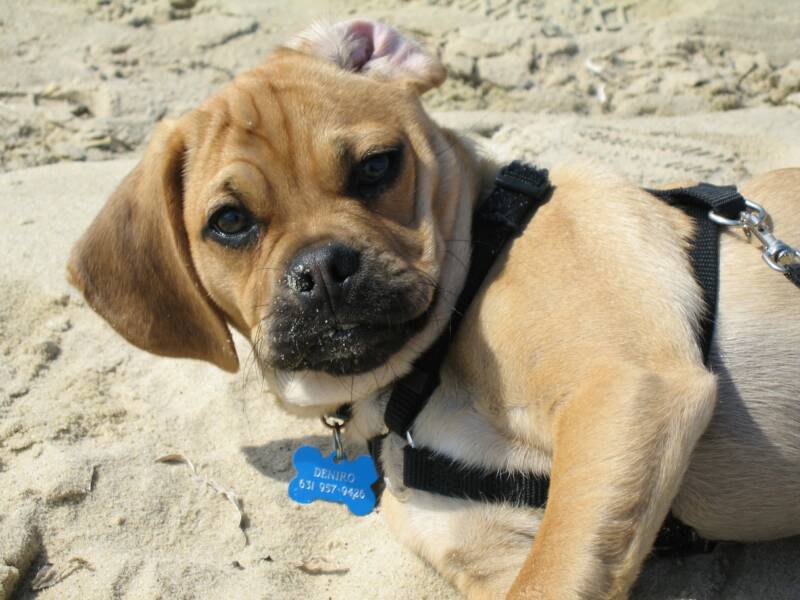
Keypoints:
pixel 314 206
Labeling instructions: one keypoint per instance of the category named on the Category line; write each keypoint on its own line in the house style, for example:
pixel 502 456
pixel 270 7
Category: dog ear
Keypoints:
pixel 371 47
pixel 134 267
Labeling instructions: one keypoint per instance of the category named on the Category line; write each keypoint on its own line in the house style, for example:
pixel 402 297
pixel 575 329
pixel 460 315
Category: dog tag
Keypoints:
pixel 346 482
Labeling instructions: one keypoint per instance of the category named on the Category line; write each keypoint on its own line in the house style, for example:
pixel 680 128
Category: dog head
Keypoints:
pixel 310 205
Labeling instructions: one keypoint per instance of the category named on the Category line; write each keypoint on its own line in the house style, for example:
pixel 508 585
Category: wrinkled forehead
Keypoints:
pixel 303 115
pixel 292 88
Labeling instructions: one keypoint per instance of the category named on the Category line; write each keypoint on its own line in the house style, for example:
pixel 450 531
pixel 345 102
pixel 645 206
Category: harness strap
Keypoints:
pixel 697 202
pixel 518 191
pixel 428 471
pixel 724 200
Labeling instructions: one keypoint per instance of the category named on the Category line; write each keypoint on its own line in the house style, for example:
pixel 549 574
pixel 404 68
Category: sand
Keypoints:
pixel 657 90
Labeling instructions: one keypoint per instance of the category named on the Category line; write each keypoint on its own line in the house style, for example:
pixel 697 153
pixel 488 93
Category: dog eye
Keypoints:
pixel 373 168
pixel 232 226
pixel 374 173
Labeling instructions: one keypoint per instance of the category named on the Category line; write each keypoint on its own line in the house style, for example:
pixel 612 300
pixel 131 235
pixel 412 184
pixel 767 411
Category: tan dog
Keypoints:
pixel 315 207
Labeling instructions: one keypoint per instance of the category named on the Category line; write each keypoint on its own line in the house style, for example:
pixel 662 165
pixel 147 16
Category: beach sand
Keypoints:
pixel 657 90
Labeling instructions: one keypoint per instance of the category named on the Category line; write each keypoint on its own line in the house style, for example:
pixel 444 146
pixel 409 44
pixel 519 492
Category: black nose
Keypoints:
pixel 320 273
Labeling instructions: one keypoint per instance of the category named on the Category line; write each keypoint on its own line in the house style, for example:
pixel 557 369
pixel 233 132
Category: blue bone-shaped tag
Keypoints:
pixel 322 478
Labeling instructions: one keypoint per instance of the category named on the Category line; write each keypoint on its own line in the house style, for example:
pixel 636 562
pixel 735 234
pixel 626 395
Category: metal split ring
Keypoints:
pixel 759 210
pixel 335 425
pixel 332 422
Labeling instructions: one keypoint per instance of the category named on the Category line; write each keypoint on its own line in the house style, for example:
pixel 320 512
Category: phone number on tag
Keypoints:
pixel 332 489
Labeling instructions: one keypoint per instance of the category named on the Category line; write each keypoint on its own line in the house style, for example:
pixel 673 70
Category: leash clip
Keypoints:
pixel 756 222
pixel 776 253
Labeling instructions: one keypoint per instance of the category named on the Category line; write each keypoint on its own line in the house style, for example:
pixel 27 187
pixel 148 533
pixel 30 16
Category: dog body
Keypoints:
pixel 313 206
pixel 743 476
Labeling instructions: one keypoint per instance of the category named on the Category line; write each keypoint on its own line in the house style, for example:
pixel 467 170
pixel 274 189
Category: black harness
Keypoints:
pixel 519 190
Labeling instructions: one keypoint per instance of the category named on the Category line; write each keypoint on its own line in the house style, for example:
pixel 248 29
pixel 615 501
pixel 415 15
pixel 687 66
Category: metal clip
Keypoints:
pixel 756 222
pixel 335 425
pixel 752 206
pixel 409 439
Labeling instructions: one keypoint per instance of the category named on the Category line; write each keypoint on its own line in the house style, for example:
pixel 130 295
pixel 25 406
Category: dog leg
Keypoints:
pixel 621 447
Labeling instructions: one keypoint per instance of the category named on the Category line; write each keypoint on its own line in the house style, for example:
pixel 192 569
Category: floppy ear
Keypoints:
pixel 371 47
pixel 134 268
